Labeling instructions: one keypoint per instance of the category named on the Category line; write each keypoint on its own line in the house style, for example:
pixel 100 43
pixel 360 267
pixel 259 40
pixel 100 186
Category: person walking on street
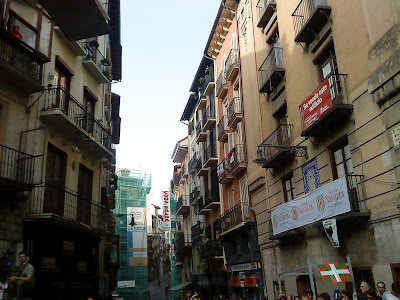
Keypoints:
pixel 381 287
pixel 195 296
pixel 394 293
pixel 364 288
pixel 166 291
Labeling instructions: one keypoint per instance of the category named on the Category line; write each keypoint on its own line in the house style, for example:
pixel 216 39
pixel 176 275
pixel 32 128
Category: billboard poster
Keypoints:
pixel 310 176
pixel 316 105
pixel 166 210
pixel 325 202
pixel 137 236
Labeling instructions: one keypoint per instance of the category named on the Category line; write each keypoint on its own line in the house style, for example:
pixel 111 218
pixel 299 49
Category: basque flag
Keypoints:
pixel 333 273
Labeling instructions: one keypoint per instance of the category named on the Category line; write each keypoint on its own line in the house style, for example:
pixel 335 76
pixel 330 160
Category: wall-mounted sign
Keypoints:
pixel 166 210
pixel 242 267
pixel 126 284
pixel 325 202
pixel 310 176
pixel 316 105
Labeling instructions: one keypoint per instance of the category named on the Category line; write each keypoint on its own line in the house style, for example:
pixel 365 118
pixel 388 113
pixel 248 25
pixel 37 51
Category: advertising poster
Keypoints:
pixel 137 236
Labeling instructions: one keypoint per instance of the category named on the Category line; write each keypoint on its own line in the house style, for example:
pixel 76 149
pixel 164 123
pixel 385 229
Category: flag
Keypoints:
pixel 333 273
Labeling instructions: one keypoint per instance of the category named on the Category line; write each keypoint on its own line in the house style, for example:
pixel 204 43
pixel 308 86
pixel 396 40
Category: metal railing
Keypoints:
pixel 271 62
pixel 192 163
pixel 181 201
pixel 197 230
pixel 211 195
pixel 64 202
pixel 234 108
pixel 211 152
pixel 208 113
pixel 16 167
pixel 222 169
pixel 303 12
pixel 199 165
pixel 280 137
pixel 58 98
pixel 232 60
pixel 262 6
pixel 200 203
pixel 16 54
pixel 191 127
pixel 221 81
pixel 209 77
pixel 239 213
pixel 199 128
pixel 94 54
pixel 194 195
pixel 357 193
pixel 235 157
pixel 222 126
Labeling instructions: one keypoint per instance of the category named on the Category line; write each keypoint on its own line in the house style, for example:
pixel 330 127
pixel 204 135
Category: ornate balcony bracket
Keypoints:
pixel 299 151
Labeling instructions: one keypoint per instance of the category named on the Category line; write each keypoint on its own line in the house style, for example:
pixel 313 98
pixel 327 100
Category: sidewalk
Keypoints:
pixel 158 292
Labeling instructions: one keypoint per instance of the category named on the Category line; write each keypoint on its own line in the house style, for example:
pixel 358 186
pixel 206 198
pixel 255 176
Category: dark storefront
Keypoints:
pixel 245 280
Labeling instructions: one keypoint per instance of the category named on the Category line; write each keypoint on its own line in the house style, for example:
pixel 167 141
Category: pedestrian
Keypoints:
pixel 297 297
pixel 305 297
pixel 324 296
pixel 371 295
pixel 364 288
pixel 345 295
pixel 310 294
pixel 394 293
pixel 194 296
pixel 188 294
pixel 289 297
pixel 381 287
pixel 22 279
pixel 166 290
pixel 337 295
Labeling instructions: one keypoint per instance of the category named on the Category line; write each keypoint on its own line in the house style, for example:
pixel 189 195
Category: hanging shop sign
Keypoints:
pixel 166 210
pixel 316 105
pixel 242 267
pixel 325 202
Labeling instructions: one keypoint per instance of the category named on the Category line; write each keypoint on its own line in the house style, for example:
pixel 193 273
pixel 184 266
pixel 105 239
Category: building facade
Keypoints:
pixel 59 123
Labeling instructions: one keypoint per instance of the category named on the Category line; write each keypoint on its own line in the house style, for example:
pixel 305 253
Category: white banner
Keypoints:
pixel 136 236
pixel 166 211
pixel 325 202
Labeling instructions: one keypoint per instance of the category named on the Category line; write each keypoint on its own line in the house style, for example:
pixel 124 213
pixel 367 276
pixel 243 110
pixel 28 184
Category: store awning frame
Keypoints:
pixel 181 286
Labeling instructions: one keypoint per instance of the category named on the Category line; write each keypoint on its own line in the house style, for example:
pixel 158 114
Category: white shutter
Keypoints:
pixel 244 198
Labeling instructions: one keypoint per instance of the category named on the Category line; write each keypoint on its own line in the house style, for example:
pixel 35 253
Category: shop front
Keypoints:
pixel 245 281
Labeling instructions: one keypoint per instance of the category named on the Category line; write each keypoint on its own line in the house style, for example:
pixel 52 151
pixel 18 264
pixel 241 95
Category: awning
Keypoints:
pixel 181 286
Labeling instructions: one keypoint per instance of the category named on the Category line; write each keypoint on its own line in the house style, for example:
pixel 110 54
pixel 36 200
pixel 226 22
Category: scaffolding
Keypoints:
pixel 133 187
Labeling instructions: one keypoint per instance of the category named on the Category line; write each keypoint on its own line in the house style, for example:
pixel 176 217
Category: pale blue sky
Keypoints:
pixel 163 43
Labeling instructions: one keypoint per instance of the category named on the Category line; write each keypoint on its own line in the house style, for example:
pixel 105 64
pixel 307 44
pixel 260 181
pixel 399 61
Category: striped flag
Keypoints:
pixel 333 273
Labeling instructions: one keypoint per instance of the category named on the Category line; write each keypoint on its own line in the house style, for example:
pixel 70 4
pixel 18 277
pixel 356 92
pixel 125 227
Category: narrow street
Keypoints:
pixel 158 292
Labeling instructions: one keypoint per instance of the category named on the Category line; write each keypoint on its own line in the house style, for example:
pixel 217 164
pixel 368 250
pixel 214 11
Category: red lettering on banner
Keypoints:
pixel 316 105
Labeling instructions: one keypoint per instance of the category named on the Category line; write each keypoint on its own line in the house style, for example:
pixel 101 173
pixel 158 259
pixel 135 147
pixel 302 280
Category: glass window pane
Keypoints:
pixel 326 68
pixel 293 188
pixel 338 157
pixel 287 185
pixel 45 34
pixel 28 35
pixel 340 170
pixel 289 195
pixel 26 11
pixel 349 166
pixel 347 154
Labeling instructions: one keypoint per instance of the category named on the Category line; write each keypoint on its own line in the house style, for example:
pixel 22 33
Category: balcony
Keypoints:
pixel 235 111
pixel 77 47
pixel 197 231
pixel 224 176
pixel 235 217
pixel 201 169
pixel 70 117
pixel 191 127
pixel 210 156
pixel 309 18
pixel 209 118
pixel 183 245
pixel 209 83
pixel 202 209
pixel 202 102
pixel 271 71
pixel 211 198
pixel 185 173
pixel 212 250
pixel 223 129
pixel 222 85
pixel 266 9
pixel 277 149
pixel 19 65
pixel 232 64
pixel 236 160
pixel 61 205
pixel 192 164
pixel 80 20
pixel 201 135
pixel 97 64
pixel 16 170
pixel 327 199
pixel 194 196
pixel 182 206
pixel 328 110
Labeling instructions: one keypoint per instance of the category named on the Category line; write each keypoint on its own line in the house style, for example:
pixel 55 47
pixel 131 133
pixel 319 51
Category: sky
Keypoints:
pixel 162 46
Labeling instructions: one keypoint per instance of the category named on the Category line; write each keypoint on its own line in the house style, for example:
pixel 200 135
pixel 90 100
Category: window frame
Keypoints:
pixel 289 178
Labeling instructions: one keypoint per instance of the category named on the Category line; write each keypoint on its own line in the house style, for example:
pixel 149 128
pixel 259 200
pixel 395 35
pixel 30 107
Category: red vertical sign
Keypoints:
pixel 317 104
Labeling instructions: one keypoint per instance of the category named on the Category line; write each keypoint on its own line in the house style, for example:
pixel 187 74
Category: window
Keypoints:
pixel 233 42
pixel 341 158
pixel 223 64
pixel 244 198
pixel 329 69
pixel 289 187
pixel 35 25
pixel 231 198
pixel 85 185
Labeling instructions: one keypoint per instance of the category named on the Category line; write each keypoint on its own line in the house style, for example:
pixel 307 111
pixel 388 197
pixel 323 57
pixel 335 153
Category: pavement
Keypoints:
pixel 158 292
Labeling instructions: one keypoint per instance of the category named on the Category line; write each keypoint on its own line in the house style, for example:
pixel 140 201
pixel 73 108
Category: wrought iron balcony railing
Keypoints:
pixel 235 111
pixel 210 153
pixel 239 213
pixel 58 99
pixel 211 196
pixel 221 83
pixel 102 64
pixel 265 10
pixel 232 64
pixel 194 195
pixel 192 163
pixel 223 174
pixel 66 203
pixel 16 169
pixel 236 157
pixel 223 129
pixel 197 230
pixel 191 127
pixel 271 71
pixel 309 17
pixel 209 117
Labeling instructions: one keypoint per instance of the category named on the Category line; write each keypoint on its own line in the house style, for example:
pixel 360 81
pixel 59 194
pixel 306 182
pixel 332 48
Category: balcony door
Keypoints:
pixel 244 198
pixel 283 134
pixel 54 193
pixel 329 69
pixel 84 202
pixel 62 81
